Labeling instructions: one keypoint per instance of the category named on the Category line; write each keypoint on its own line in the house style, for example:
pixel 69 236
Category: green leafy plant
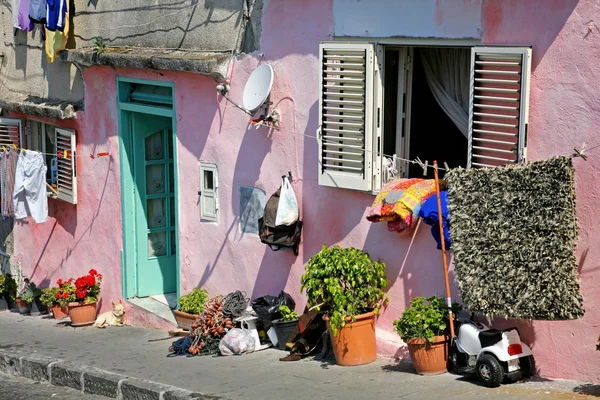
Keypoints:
pixel 426 318
pixel 48 297
pixel 8 286
pixel 193 302
pixel 287 314
pixel 99 45
pixel 30 292
pixel 345 282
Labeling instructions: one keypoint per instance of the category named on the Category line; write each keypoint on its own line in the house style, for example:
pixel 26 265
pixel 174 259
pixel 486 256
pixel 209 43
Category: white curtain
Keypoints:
pixel 447 73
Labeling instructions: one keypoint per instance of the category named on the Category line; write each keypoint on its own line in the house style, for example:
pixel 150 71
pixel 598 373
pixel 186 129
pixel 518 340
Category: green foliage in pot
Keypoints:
pixel 8 286
pixel 193 303
pixel 287 314
pixel 30 292
pixel 49 297
pixel 345 282
pixel 426 318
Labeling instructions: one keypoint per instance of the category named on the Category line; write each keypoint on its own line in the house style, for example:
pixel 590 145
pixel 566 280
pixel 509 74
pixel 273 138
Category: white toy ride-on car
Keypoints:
pixel 494 355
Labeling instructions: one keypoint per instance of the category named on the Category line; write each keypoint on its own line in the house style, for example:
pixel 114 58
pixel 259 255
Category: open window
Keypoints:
pixel 380 104
pixel 58 147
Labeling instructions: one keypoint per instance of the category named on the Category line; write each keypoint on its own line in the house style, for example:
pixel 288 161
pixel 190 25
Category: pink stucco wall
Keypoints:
pixel 563 113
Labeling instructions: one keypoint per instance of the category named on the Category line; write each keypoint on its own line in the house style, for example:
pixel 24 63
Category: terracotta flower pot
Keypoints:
pixel 355 343
pixel 59 312
pixel 23 306
pixel 82 314
pixel 185 320
pixel 429 358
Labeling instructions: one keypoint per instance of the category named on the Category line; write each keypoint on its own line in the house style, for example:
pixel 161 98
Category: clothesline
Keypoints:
pixel 60 154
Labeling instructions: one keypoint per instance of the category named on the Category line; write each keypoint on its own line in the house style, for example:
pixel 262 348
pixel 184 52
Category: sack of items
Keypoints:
pixel 236 342
pixel 280 226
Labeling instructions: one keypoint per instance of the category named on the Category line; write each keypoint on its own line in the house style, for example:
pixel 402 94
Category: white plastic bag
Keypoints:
pixel 287 210
pixel 237 341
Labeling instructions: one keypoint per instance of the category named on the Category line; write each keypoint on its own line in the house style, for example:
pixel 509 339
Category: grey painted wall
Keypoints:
pixel 203 25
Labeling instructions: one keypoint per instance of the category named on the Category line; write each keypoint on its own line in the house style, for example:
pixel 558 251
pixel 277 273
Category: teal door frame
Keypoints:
pixel 125 108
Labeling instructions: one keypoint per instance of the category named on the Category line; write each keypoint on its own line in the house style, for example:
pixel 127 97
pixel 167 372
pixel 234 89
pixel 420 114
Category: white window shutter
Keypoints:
pixel 209 192
pixel 67 175
pixel 11 132
pixel 345 132
pixel 499 105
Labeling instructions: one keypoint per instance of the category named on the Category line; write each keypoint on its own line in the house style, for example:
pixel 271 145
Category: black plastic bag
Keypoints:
pixel 267 307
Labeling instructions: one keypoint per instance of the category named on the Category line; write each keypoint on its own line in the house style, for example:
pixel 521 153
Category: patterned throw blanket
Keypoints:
pixel 399 201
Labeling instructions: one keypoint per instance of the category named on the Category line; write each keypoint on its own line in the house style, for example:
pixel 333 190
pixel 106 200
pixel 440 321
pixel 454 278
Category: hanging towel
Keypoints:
pixel 8 165
pixel 430 215
pixel 25 24
pixel 30 197
pixel 15 5
pixel 56 14
pixel 37 11
pixel 514 232
pixel 56 40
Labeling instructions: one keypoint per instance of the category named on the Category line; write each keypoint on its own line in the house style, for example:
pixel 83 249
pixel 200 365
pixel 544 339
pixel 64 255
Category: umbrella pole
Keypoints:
pixel 443 242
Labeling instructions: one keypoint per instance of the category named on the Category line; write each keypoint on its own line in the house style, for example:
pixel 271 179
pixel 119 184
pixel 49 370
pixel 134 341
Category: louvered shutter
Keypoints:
pixel 67 176
pixel 209 192
pixel 499 105
pixel 346 115
pixel 11 132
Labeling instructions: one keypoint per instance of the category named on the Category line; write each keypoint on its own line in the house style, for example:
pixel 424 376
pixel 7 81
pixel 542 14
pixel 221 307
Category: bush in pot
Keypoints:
pixel 424 326
pixel 349 286
pixel 31 294
pixel 8 292
pixel 285 326
pixel 191 306
pixel 50 298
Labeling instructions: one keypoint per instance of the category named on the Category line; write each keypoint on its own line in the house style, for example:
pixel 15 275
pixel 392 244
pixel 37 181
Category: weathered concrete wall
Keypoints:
pixel 563 113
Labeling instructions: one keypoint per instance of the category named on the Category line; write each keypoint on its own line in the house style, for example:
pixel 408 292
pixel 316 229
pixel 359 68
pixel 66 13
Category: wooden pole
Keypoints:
pixel 443 242
pixel 52 189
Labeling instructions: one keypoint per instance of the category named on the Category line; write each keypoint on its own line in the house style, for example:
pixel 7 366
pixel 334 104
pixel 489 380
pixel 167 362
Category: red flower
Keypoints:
pixel 93 272
pixel 65 295
pixel 99 276
pixel 81 293
pixel 58 295
pixel 90 280
pixel 59 282
pixel 80 283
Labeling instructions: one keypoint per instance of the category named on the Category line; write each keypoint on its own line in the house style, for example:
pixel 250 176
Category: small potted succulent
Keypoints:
pixel 349 286
pixel 8 292
pixel 424 327
pixel 25 296
pixel 285 326
pixel 191 306
pixel 86 291
pixel 50 298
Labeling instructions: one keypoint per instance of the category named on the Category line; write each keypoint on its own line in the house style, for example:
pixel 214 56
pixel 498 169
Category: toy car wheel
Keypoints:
pixel 527 366
pixel 489 371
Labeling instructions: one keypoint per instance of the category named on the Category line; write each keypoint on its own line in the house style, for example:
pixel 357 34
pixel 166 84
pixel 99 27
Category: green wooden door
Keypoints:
pixel 155 219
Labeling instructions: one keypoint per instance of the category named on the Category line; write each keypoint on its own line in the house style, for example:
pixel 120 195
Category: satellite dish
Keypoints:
pixel 258 87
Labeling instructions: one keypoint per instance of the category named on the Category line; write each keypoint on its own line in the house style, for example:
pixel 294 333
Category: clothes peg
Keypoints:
pixel 446 167
pixel 425 168
pixel 103 154
pixel 581 152
pixel 3 148
pixel 14 146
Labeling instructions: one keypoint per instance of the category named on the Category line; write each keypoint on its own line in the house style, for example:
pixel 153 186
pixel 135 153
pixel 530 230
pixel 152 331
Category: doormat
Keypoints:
pixel 514 232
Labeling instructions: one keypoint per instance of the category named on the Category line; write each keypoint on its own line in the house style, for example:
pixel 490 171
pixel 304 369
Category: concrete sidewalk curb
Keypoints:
pixel 90 379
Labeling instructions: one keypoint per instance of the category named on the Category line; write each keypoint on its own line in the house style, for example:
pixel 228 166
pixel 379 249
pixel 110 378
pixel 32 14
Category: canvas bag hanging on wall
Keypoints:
pixel 287 210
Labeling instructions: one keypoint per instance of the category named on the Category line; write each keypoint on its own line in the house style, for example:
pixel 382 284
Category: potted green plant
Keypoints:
pixel 424 327
pixel 349 286
pixel 8 292
pixel 83 310
pixel 285 326
pixel 50 299
pixel 190 307
pixel 31 295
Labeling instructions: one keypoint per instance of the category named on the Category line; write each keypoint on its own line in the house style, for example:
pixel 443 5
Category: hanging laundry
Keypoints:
pixel 15 5
pixel 8 165
pixel 429 213
pixel 514 233
pixel 37 11
pixel 56 40
pixel 56 15
pixel 25 24
pixel 399 202
pixel 30 187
